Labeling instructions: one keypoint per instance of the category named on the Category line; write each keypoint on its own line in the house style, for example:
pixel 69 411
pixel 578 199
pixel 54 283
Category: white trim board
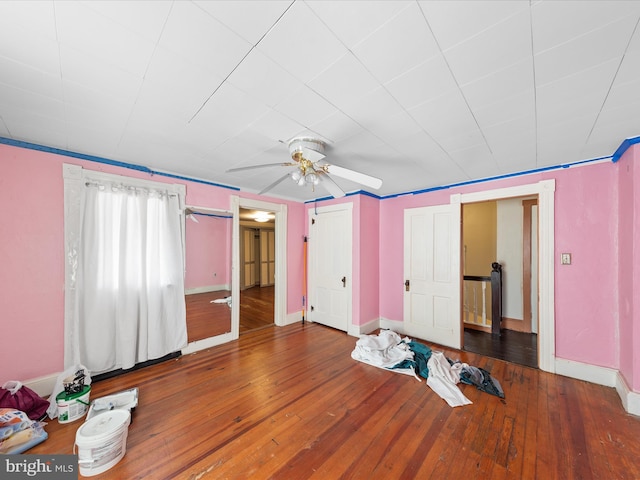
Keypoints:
pixel 280 288
pixel 545 190
pixel 207 289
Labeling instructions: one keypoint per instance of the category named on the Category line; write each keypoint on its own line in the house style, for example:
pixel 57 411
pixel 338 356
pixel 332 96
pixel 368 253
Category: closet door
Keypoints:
pixel 330 258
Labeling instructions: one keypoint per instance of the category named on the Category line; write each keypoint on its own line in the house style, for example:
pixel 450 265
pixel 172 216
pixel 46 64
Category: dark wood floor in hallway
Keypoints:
pixel 512 346
pixel 290 403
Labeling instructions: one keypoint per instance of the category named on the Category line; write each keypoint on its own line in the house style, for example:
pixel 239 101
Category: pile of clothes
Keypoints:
pixel 389 351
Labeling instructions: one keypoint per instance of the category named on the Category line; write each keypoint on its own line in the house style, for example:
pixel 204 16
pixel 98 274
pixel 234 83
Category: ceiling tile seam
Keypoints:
pixel 144 75
pixel 444 57
pixel 308 4
pixel 583 34
pixel 349 50
pixel 241 60
pixel 509 17
pixel 535 87
pixel 6 127
pixel 613 81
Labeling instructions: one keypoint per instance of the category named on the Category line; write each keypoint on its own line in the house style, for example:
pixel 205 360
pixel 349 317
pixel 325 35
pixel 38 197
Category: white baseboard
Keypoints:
pixel 43 386
pixel 583 371
pixel 207 289
pixel 291 318
pixel 392 325
pixel 366 329
pixel 198 345
pixel 630 400
pixel 607 377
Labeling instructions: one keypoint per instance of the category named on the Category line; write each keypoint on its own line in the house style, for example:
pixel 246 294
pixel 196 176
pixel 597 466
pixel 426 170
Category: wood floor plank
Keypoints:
pixel 290 402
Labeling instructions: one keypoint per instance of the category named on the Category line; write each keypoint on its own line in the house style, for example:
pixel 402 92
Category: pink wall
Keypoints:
pixel 597 220
pixel 585 299
pixel 366 258
pixel 32 259
pixel 629 266
pixel 586 290
pixel 370 258
pixel 208 251
pixel 32 254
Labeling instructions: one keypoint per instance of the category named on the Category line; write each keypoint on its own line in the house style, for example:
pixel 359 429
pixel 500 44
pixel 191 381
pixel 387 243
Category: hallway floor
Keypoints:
pixel 512 346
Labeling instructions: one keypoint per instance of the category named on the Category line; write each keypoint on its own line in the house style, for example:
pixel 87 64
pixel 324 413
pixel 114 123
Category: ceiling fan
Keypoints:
pixel 306 154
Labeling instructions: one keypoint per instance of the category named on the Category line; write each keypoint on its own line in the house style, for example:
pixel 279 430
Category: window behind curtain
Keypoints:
pixel 127 271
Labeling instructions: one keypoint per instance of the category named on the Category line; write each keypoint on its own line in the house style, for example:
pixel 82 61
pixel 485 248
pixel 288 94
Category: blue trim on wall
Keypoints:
pixel 624 146
pixel 497 177
pixel 106 161
pixel 470 182
pixel 211 215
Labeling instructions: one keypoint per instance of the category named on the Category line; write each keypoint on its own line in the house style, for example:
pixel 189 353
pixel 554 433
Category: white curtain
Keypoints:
pixel 129 304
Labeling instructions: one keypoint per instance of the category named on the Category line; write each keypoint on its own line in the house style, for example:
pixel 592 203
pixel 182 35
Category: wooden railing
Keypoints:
pixel 476 297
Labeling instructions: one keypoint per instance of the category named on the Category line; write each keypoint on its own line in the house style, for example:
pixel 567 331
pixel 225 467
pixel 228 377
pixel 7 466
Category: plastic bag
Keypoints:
pixel 15 395
pixel 65 381
pixel 17 432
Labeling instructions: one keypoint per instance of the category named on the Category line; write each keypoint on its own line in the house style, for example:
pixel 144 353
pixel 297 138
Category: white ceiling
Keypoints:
pixel 418 93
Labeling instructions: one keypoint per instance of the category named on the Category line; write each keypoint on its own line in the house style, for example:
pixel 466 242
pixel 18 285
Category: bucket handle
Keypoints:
pixel 82 462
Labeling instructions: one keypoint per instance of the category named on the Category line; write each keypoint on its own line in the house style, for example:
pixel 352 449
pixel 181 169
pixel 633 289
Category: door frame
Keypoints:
pixel 527 267
pixel 545 190
pixel 280 287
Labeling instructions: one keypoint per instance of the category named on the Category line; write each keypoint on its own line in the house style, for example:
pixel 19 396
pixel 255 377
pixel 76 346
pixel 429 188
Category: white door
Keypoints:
pixel 329 244
pixel 432 274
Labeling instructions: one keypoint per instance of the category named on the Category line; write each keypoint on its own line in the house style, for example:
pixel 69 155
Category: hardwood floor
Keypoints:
pixel 206 319
pixel 256 308
pixel 512 346
pixel 291 403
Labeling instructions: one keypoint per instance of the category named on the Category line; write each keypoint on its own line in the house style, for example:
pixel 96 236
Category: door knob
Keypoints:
pixel 406 285
pixel 344 282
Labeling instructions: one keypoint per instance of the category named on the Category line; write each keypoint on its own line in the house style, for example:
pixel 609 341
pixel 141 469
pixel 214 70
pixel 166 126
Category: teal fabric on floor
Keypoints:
pixel 421 355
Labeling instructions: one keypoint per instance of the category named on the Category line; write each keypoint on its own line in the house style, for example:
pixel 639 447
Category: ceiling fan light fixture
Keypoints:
pixel 312 178
pixel 296 176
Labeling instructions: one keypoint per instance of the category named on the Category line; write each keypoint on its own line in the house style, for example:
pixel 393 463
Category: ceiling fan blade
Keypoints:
pixel 331 186
pixel 251 167
pixel 266 189
pixel 362 178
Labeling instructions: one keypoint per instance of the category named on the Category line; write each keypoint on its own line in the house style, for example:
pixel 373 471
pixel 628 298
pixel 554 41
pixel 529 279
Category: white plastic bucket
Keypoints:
pixel 101 442
pixel 72 406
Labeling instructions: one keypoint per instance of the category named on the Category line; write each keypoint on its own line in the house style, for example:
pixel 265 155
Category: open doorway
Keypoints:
pixel 503 231
pixel 257 269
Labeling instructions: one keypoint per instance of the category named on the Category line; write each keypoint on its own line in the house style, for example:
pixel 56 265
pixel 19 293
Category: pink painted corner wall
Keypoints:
pixel 32 254
pixel 369 261
pixel 629 266
pixel 366 255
